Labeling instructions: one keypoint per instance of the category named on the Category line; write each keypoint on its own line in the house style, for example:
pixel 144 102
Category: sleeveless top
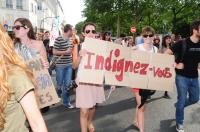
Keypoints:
pixel 28 53
pixel 140 47
pixel 25 52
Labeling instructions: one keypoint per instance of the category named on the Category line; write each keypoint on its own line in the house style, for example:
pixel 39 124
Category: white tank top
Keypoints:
pixel 140 47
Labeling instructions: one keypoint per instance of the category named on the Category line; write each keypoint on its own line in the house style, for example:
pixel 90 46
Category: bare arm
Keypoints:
pixel 43 55
pixel 82 53
pixel 57 52
pixel 30 107
pixel 199 66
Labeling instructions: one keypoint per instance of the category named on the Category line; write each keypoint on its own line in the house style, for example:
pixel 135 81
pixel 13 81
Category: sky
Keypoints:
pixel 73 11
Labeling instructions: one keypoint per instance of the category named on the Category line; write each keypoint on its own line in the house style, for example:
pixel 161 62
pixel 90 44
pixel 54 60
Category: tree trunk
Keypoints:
pixel 174 20
pixel 118 25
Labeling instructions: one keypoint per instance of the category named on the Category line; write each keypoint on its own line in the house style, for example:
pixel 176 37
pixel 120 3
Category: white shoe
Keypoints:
pixel 179 128
pixel 69 106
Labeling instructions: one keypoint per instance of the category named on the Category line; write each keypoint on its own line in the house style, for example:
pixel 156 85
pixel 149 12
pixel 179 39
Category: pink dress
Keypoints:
pixel 88 95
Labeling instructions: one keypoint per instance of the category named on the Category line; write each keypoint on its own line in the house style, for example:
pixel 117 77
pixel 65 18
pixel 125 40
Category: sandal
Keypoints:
pixel 91 128
pixel 135 124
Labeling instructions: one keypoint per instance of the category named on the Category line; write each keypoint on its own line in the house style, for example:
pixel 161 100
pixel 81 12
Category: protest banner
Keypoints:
pixel 54 33
pixel 45 90
pixel 89 64
pixel 121 66
pixel 161 74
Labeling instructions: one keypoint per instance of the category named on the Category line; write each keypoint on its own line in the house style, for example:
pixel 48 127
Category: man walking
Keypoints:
pixel 187 57
pixel 63 50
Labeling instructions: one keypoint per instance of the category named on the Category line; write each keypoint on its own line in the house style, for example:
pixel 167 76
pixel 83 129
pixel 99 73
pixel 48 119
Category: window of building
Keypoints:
pixel 19 4
pixel 39 6
pixel 32 8
pixel 9 4
pixel 35 9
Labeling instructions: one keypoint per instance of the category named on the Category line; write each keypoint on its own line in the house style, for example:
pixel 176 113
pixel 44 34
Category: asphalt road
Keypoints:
pixel 117 113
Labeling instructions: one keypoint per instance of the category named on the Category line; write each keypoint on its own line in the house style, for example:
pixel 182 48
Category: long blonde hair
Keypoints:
pixel 8 58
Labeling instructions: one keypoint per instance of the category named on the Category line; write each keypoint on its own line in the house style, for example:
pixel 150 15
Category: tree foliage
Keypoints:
pixel 79 27
pixel 165 16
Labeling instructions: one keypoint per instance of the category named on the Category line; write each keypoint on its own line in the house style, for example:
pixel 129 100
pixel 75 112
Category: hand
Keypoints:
pixel 69 51
pixel 113 88
pixel 134 48
pixel 179 66
pixel 82 52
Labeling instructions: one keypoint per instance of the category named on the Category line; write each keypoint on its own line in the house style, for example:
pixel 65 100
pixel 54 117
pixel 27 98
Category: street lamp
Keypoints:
pixel 45 19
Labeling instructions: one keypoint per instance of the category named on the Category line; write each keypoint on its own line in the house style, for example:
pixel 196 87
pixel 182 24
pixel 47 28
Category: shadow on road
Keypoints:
pixel 154 99
pixel 196 115
pixel 131 127
pixel 167 125
pixel 66 119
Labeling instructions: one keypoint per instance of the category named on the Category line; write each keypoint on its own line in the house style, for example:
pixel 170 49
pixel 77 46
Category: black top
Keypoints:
pixel 191 58
pixel 157 45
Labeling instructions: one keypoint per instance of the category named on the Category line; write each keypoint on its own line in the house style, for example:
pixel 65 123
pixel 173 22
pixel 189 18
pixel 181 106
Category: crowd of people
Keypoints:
pixel 19 109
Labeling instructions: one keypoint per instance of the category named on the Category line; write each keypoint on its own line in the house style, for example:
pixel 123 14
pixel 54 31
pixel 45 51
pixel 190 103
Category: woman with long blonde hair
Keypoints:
pixel 17 98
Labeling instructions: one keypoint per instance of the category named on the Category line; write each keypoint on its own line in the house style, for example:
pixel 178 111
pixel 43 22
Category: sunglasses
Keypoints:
pixel 90 31
pixel 18 27
pixel 97 36
pixel 150 35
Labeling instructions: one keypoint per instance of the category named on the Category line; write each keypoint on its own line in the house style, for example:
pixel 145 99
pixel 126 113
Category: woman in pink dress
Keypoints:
pixel 88 95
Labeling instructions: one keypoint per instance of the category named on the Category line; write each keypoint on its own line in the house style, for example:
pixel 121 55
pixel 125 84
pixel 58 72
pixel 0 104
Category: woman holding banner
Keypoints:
pixel 17 98
pixel 26 44
pixel 88 95
pixel 147 46
pixel 25 37
pixel 166 44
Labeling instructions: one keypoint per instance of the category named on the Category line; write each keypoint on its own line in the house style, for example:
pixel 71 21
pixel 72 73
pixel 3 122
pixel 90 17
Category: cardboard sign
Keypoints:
pixel 54 33
pixel 89 63
pixel 121 66
pixel 161 74
pixel 45 90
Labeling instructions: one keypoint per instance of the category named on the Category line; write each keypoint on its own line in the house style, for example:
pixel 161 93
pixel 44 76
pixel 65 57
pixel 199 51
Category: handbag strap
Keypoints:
pixel 56 60
pixel 60 57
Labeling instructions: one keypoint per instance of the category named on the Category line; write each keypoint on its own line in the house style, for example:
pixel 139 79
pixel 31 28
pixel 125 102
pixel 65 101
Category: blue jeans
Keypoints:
pixel 188 94
pixel 63 78
pixel 199 89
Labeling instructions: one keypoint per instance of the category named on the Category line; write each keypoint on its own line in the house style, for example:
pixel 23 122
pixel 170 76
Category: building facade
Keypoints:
pixel 41 13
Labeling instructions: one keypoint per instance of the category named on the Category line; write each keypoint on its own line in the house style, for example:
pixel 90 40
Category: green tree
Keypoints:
pixel 164 15
pixel 79 27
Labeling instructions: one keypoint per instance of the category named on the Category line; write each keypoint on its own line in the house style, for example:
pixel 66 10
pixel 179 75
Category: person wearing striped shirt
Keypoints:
pixel 62 49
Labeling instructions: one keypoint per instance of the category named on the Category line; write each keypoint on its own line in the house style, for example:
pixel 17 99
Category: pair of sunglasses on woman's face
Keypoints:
pixel 17 27
pixel 146 35
pixel 90 31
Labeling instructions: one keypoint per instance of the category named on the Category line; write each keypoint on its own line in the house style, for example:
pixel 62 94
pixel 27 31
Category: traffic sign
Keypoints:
pixel 133 29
